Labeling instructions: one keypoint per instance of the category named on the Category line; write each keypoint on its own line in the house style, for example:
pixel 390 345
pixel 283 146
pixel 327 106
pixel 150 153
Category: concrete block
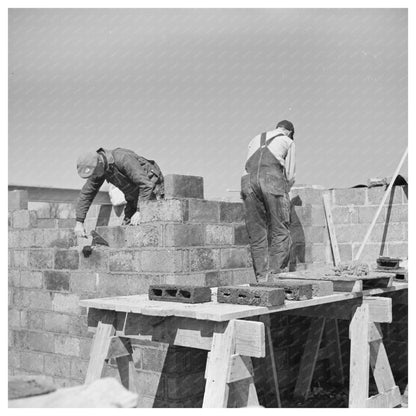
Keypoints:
pixel 24 219
pixel 259 296
pixel 115 236
pixel 204 259
pixel 240 235
pixel 204 211
pixel 83 281
pixel 14 277
pixel 375 195
pixel 79 369
pixel 14 318
pixel 32 361
pixel 40 341
pixel 185 294
pixel 231 212
pixel 319 287
pixel 397 213
pixel 390 232
pixel 294 290
pixel 171 210
pixel 143 235
pixel 190 278
pixel 183 235
pixel 18 200
pixel 345 252
pixel 66 303
pixel 124 261
pixel 397 250
pixel 345 215
pixel 218 235
pixel 66 345
pixel 33 319
pixel 56 281
pixel 60 238
pixel 97 261
pixel 57 322
pixel 13 238
pixel 350 196
pixel 66 223
pixel 117 285
pixel 318 216
pixel 366 214
pixel 32 299
pixel 47 223
pixel 318 234
pixel 304 196
pixel 66 259
pixel 232 258
pixel 161 261
pixel 300 214
pixel 32 280
pixel 57 365
pixel 370 253
pixel 41 259
pixel 182 186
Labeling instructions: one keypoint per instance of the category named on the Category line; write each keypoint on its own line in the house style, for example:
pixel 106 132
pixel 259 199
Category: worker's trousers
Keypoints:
pixel 267 220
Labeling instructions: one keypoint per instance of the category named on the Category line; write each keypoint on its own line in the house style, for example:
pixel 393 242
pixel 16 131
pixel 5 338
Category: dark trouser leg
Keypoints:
pixel 130 209
pixel 256 223
pixel 278 213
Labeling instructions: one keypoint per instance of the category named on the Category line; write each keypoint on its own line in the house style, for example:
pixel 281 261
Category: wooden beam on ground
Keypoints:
pixel 309 358
pixel 331 229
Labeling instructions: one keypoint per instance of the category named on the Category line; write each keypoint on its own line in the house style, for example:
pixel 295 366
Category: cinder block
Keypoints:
pixel 366 214
pixel 231 212
pixel 318 215
pixel 115 236
pixel 18 200
pixel 397 250
pixel 67 345
pixel 83 281
pixel 57 365
pixel 183 235
pixel 57 322
pixel 32 299
pixel 218 234
pixel 259 296
pixel 171 210
pixel 13 238
pixel 56 281
pixel 232 258
pixel 293 290
pixel 40 341
pixel 79 369
pixel 14 318
pixel 375 195
pixel 182 186
pixel 243 276
pixel 41 259
pixel 204 259
pixel 66 303
pixel 186 294
pixel 303 196
pixel 60 238
pixel 32 361
pixel 66 259
pixel 191 278
pixel 350 196
pixel 47 223
pixel 143 235
pixel 387 232
pixel 240 235
pixel 345 215
pixel 398 213
pixel 300 214
pixel 31 279
pixel 204 211
pixel 97 261
pixel 124 261
pixel 24 219
pixel 66 223
pixel 33 319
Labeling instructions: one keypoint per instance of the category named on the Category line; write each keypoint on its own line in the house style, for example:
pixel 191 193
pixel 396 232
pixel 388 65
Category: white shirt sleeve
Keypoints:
pixel 290 165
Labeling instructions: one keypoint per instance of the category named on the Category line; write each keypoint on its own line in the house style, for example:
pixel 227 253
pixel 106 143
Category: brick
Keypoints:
pixel 294 290
pixel 344 215
pixel 41 259
pixel 66 303
pixel 82 281
pixel 240 235
pixel 172 210
pixel 231 212
pixel 204 259
pixel 56 281
pixel 61 239
pixel 18 200
pixel 218 234
pixel 161 261
pixel 264 296
pixel 47 223
pixel 24 219
pixel 182 186
pixel 31 279
pixel 124 261
pixel 186 386
pixel 232 258
pixel 185 294
pixel 97 261
pixel 204 211
pixel 397 250
pixel 66 259
pixel 79 369
pixel 143 235
pixel 56 365
pixel 350 196
pixel 115 236
pixel 66 345
pixel 32 362
pixel 183 235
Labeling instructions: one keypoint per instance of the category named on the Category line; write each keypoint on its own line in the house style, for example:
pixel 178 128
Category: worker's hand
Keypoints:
pixel 135 219
pixel 79 230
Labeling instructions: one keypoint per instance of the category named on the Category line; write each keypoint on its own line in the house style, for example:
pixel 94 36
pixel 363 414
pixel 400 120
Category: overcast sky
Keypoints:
pixel 191 87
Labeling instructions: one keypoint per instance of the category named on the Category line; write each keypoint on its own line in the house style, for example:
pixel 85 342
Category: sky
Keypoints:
pixel 191 87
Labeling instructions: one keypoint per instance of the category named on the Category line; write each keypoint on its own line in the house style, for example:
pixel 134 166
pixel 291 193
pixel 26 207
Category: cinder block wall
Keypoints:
pixel 181 240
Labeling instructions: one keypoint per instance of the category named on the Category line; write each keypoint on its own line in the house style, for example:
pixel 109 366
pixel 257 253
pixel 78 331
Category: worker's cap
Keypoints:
pixel 287 125
pixel 86 164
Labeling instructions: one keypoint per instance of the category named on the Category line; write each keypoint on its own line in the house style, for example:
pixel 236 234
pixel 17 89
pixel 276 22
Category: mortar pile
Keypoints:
pixel 353 268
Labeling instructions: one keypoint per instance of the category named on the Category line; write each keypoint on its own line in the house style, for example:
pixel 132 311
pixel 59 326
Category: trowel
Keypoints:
pixel 97 240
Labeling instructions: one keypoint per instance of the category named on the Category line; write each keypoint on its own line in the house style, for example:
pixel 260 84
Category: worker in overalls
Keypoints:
pixel 269 175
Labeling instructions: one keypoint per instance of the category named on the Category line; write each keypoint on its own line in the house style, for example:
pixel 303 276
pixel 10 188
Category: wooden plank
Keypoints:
pixel 374 332
pixel 128 374
pixel 309 358
pixel 223 347
pixel 348 285
pixel 250 338
pixel 240 368
pixel 359 357
pixel 380 308
pixel 389 399
pixel 331 229
pixel 100 346
pixel 334 352
pixel 119 347
pixel 380 365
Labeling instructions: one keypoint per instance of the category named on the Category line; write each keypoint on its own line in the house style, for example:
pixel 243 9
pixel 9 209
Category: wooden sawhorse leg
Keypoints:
pixel 367 349
pixel 229 375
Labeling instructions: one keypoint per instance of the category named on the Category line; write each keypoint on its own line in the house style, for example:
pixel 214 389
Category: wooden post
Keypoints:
pixel 331 229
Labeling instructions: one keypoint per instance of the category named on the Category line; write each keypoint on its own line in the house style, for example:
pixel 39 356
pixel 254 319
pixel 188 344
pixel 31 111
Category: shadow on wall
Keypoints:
pixel 104 214
pixel 297 252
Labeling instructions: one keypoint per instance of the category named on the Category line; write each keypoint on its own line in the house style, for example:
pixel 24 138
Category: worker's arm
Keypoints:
pixel 86 196
pixel 252 147
pixel 290 165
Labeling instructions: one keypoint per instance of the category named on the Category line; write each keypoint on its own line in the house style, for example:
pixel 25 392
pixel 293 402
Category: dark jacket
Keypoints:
pixel 137 177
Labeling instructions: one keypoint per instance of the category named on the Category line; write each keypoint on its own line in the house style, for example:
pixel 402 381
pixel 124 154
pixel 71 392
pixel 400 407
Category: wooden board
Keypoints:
pixel 212 311
pixel 331 229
